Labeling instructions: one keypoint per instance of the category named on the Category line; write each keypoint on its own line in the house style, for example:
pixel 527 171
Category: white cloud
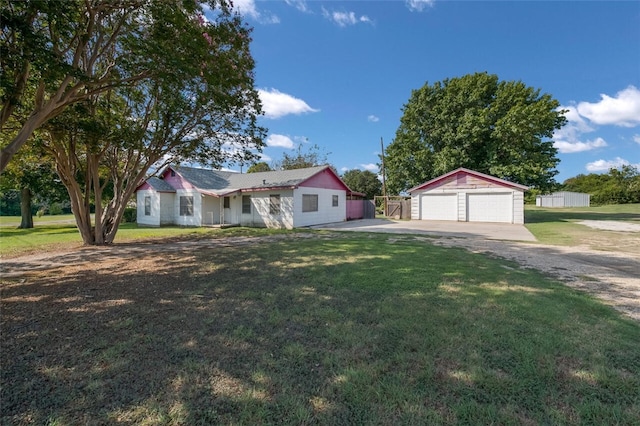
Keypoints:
pixel 301 5
pixel 371 167
pixel 343 19
pixel 566 147
pixel 280 141
pixel 636 138
pixel 248 9
pixel 621 110
pixel 264 157
pixel 372 118
pixel 344 169
pixel 277 104
pixel 605 165
pixel 419 5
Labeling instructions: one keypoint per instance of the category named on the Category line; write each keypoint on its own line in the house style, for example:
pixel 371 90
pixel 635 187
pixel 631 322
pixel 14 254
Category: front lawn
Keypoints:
pixel 562 226
pixel 310 328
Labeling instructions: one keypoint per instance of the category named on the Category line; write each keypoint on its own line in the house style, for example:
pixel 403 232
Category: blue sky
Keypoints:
pixel 337 73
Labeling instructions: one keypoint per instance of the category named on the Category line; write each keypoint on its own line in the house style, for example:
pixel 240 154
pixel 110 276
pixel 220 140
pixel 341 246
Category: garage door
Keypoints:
pixel 489 208
pixel 439 207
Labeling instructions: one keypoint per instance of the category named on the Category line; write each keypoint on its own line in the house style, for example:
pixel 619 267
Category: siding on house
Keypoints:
pixel 326 213
pixel 218 197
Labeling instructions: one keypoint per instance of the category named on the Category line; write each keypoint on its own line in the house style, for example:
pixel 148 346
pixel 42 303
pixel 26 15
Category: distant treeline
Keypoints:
pixel 619 186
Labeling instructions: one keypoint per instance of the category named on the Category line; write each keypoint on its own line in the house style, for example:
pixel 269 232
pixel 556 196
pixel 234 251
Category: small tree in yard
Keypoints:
pixel 301 159
pixel 198 104
pixel 363 181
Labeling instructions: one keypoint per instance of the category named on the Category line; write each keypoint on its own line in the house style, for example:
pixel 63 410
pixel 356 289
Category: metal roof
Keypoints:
pixel 219 183
pixel 160 185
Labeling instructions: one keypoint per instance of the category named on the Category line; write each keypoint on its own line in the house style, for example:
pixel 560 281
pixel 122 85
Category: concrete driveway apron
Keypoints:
pixel 492 231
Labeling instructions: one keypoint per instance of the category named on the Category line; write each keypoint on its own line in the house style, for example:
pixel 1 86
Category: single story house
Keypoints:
pixel 465 195
pixel 277 199
pixel 564 199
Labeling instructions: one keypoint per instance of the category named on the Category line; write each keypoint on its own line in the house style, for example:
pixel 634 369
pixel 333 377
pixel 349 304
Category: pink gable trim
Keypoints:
pixel 326 178
pixel 177 181
pixel 143 187
pixel 465 178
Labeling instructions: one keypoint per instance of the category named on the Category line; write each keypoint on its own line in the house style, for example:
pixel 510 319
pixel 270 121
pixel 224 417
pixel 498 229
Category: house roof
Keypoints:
pixel 160 185
pixel 220 183
pixel 497 180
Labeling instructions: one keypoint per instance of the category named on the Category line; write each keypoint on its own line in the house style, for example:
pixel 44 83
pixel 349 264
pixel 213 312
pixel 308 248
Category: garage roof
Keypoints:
pixel 462 170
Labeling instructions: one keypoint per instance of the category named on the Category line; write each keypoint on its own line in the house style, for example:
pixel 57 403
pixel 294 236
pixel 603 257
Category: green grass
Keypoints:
pixel 61 233
pixel 334 329
pixel 560 226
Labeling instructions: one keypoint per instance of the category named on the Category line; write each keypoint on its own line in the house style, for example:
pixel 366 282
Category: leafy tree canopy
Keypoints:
pixel 302 159
pixel 363 181
pixel 259 167
pixel 130 85
pixel 619 186
pixel 54 54
pixel 502 128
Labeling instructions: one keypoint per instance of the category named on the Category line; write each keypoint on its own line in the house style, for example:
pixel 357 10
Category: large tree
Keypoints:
pixel 201 107
pixel 54 54
pixel 502 128
pixel 363 181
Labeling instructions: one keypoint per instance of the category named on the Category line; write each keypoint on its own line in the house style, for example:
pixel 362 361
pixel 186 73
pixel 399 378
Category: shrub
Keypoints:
pixel 130 215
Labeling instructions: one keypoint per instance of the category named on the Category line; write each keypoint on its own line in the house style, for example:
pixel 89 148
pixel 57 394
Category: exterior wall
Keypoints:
pixel 564 199
pixel 326 212
pixel 518 207
pixel 176 181
pixel 462 207
pixel 196 219
pixel 162 208
pixel 325 179
pixel 415 206
pixel 260 216
pixel 464 181
pixel 154 218
pixel 462 210
pixel 355 209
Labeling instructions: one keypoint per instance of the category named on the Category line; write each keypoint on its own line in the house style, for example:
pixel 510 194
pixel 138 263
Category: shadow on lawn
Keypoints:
pixel 303 332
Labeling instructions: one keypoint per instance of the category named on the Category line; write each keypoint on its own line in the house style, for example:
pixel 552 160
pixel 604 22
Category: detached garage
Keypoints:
pixel 465 195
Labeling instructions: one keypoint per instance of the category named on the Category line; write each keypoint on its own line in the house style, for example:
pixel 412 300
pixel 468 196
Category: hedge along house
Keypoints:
pixel 278 199
pixel 465 195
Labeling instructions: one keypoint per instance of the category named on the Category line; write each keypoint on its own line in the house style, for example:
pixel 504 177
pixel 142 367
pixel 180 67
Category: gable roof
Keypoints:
pixel 219 183
pixel 160 185
pixel 497 180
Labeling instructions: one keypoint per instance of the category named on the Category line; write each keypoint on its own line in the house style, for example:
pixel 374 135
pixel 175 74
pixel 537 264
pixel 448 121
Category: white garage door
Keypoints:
pixel 489 208
pixel 439 207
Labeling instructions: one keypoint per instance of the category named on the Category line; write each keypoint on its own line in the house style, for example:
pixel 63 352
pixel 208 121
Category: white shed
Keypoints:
pixel 465 195
pixel 564 199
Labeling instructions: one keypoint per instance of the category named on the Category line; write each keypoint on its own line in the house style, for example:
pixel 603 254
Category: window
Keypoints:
pixel 226 203
pixel 274 204
pixel 246 204
pixel 147 205
pixel 334 201
pixel 309 202
pixel 186 206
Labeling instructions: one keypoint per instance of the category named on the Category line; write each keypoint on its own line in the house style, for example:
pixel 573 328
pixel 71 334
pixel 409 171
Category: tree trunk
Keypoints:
pixel 25 209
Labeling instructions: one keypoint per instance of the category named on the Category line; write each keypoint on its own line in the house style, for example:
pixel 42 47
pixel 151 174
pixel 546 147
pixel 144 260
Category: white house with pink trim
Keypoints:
pixel 278 199
pixel 465 195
